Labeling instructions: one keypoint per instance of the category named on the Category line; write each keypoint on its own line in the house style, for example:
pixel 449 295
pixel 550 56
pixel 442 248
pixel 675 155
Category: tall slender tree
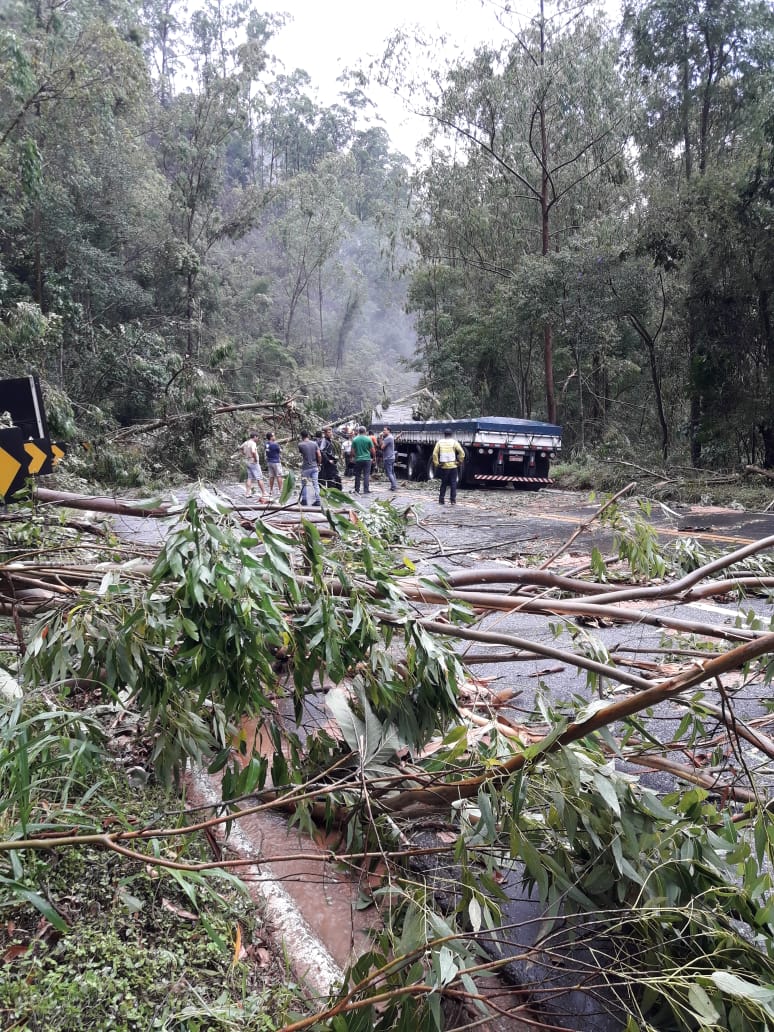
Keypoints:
pixel 536 124
pixel 702 68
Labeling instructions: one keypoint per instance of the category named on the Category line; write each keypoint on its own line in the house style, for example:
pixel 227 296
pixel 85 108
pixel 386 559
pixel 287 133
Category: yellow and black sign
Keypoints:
pixel 20 459
pixel 26 450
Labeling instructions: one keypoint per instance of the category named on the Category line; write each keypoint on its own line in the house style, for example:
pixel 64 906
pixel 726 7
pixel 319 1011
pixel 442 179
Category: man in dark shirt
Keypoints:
pixel 274 463
pixel 310 467
pixel 388 457
pixel 329 471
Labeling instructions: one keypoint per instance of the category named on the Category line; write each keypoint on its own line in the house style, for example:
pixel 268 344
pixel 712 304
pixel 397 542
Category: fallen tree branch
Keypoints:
pixel 158 424
pixel 441 796
pixel 114 506
pixel 566 607
pixel 661 763
pixel 584 526
pixel 674 589
pixel 537 648
pixel 642 469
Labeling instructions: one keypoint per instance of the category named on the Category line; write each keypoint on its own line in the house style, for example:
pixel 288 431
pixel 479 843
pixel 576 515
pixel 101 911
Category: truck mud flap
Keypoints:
pixel 494 478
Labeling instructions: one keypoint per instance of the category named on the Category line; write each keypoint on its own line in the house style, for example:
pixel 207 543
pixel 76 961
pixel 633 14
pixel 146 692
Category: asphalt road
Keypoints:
pixel 492 528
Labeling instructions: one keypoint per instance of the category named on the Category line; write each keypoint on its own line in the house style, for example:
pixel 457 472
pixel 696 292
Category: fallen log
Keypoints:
pixel 440 796
pixel 158 424
pixel 113 506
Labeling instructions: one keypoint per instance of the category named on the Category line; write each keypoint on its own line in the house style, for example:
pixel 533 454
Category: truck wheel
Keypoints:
pixel 414 466
pixel 462 473
pixel 430 471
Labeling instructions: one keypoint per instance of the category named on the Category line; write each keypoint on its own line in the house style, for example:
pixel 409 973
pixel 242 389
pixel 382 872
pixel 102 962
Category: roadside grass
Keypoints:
pixel 130 947
pixel 678 485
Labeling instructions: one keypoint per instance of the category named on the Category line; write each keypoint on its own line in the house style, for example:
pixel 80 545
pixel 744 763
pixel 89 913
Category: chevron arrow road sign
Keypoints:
pixel 37 457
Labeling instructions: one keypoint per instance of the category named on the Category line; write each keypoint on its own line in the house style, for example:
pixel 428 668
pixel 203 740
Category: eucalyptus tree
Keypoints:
pixel 77 187
pixel 294 132
pixel 285 128
pixel 309 220
pixel 161 44
pixel 703 70
pixel 309 292
pixel 225 50
pixel 701 63
pixel 526 134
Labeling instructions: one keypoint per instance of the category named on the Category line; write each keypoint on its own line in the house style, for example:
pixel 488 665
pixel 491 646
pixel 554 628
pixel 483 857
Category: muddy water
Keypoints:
pixel 326 894
pixel 327 897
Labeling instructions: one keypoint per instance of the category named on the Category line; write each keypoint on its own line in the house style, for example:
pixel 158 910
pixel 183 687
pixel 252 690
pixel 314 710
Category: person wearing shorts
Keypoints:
pixel 273 464
pixel 249 449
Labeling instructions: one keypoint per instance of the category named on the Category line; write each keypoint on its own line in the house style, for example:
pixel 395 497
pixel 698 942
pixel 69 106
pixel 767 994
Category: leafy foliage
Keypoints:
pixel 234 621
pixel 207 639
pixel 118 943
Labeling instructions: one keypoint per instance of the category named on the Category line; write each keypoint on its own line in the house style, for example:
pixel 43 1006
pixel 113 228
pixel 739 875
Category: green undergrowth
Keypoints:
pixel 91 940
pixel 668 484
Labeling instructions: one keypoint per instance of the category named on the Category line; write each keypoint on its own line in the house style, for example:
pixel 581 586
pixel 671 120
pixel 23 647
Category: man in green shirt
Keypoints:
pixel 362 453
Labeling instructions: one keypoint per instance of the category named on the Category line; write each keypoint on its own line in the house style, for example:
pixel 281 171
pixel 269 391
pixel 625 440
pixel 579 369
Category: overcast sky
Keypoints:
pixel 327 36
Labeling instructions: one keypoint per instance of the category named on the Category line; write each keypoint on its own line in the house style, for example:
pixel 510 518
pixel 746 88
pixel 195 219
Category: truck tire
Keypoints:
pixel 415 467
pixel 465 468
pixel 430 471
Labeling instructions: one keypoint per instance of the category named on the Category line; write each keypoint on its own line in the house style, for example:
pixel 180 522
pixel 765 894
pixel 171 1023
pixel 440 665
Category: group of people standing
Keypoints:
pixel 364 451
pixel 319 463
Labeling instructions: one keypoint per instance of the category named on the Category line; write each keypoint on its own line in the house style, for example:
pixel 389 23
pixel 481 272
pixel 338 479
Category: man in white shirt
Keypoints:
pixel 249 449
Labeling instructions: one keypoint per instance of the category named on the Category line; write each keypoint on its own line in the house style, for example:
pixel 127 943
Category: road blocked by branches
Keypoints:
pixel 225 620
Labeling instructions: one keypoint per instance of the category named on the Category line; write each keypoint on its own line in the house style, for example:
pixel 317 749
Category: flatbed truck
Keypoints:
pixel 498 450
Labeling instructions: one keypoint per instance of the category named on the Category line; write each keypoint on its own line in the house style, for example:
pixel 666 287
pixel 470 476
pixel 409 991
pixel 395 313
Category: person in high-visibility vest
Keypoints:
pixel 448 456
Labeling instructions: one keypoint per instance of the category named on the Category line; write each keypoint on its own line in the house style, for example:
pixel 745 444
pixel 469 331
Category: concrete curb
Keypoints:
pixel 309 958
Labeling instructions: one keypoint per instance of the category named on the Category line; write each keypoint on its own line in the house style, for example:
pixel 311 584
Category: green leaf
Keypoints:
pixel 44 907
pixel 474 914
pixel 413 932
pixel 740 988
pixel 445 966
pixel 434 1006
pixel 607 790
pixel 190 629
pixel 534 864
pixel 132 903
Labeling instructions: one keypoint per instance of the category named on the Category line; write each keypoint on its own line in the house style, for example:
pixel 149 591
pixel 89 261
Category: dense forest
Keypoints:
pixel 586 236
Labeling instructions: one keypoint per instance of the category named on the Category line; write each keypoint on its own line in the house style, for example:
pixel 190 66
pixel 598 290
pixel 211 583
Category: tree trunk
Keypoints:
pixel 650 344
pixel 766 427
pixel 705 114
pixel 545 227
pixel 686 107
pixel 695 395
pixel 189 315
